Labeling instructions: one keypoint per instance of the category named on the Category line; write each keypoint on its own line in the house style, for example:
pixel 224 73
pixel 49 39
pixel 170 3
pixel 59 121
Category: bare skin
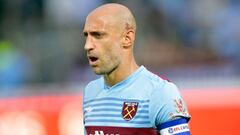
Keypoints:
pixel 110 34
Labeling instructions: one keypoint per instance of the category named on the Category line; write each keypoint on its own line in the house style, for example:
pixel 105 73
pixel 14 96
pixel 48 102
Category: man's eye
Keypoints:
pixel 85 34
pixel 97 35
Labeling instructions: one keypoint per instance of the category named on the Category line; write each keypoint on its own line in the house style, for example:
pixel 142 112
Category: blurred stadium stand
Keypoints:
pixel 196 44
pixel 200 36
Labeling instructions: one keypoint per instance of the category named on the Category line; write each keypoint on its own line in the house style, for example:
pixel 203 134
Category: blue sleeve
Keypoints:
pixel 177 126
pixel 166 104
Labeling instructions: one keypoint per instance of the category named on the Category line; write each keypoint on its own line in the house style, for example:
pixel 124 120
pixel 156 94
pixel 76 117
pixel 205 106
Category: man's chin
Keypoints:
pixel 101 71
pixel 97 71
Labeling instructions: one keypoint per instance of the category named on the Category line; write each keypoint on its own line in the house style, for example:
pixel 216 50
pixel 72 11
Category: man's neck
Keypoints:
pixel 119 74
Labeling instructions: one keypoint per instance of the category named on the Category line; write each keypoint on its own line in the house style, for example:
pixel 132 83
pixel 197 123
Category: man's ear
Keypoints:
pixel 128 38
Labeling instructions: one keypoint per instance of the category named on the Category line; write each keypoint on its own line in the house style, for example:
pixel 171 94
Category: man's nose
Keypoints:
pixel 88 44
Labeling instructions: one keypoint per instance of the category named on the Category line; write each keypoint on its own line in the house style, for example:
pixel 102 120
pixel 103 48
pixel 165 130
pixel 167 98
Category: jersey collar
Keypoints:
pixel 128 80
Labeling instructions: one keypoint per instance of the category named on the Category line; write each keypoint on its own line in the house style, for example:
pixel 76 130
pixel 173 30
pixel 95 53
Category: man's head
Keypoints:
pixel 110 34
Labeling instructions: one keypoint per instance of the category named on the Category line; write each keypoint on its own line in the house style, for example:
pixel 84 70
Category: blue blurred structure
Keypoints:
pixel 14 67
pixel 226 33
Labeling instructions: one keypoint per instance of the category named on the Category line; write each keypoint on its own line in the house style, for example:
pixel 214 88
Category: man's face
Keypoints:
pixel 102 45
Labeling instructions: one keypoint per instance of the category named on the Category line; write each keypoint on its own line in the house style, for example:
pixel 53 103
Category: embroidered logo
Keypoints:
pixel 129 110
pixel 88 110
pixel 180 107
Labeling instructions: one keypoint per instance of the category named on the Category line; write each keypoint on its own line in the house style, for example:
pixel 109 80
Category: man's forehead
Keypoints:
pixel 102 20
pixel 110 17
pixel 96 23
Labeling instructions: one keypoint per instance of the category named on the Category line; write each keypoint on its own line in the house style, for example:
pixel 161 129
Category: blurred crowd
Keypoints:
pixel 41 41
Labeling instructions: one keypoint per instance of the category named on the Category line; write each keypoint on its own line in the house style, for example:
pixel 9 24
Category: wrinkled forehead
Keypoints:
pixel 99 23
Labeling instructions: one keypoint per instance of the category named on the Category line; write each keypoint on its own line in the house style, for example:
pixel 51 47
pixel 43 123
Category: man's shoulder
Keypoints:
pixel 158 82
pixel 92 88
pixel 156 76
pixel 94 83
pixel 154 79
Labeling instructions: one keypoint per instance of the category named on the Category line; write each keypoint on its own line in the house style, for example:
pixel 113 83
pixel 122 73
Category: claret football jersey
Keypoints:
pixel 142 104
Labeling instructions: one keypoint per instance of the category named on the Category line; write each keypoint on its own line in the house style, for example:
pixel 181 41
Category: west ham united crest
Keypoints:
pixel 129 110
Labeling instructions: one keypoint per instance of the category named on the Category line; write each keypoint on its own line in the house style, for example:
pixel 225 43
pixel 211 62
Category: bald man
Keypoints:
pixel 128 99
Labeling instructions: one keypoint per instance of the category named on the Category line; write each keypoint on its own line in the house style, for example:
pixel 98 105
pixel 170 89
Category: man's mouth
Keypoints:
pixel 92 60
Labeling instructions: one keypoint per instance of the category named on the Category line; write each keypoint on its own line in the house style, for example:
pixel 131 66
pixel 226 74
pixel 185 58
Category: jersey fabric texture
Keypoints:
pixel 137 105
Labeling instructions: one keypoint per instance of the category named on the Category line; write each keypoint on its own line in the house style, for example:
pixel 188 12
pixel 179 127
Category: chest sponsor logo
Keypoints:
pixel 102 133
pixel 129 110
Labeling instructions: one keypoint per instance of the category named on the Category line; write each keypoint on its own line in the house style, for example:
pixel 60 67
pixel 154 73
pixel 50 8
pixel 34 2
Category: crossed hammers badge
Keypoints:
pixel 129 110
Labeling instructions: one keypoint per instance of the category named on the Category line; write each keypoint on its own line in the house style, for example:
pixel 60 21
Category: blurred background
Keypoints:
pixel 43 67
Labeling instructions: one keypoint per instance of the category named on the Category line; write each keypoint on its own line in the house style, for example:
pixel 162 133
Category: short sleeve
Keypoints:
pixel 167 104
